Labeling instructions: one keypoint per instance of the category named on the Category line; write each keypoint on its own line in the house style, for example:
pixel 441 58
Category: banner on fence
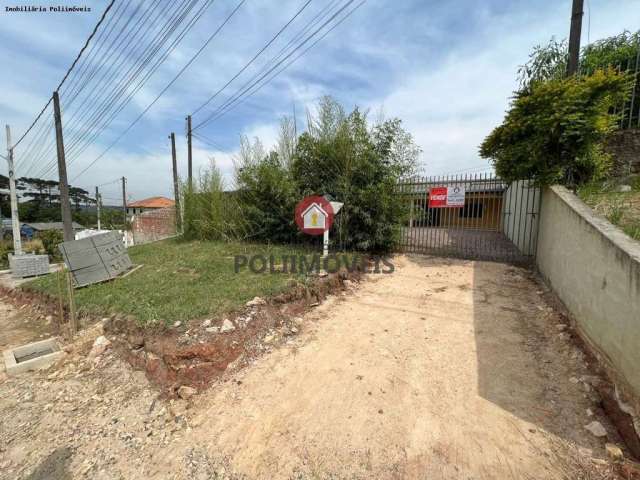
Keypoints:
pixel 443 197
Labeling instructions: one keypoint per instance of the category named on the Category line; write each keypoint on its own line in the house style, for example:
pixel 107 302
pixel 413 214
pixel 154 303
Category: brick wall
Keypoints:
pixel 154 225
pixel 624 146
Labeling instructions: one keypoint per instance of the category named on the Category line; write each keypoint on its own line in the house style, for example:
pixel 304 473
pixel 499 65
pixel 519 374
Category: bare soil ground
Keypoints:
pixel 443 369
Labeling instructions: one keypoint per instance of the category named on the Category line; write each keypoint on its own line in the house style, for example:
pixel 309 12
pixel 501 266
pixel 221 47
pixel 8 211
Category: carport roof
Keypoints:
pixel 471 186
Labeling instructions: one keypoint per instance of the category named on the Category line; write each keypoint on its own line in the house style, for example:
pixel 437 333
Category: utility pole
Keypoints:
pixel 176 191
pixel 65 206
pixel 189 154
pixel 15 221
pixel 98 206
pixel 124 202
pixel 574 37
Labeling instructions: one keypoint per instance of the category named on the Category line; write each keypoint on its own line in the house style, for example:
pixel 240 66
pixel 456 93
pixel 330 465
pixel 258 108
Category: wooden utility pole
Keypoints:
pixel 189 154
pixel 176 190
pixel 574 37
pixel 98 206
pixel 15 220
pixel 124 202
pixel 65 206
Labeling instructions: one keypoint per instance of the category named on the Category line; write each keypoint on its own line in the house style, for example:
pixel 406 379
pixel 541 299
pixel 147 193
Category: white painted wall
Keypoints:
pixel 595 270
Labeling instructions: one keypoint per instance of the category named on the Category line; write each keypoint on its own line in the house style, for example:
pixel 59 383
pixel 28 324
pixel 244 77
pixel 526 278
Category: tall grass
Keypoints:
pixel 210 212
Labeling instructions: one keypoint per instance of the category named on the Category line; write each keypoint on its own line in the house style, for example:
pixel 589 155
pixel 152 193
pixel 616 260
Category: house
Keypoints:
pixel 314 216
pixel 151 203
pixel 30 230
pixel 483 206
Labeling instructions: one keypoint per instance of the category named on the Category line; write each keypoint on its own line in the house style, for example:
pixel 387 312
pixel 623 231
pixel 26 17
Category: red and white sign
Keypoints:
pixel 314 215
pixel 447 197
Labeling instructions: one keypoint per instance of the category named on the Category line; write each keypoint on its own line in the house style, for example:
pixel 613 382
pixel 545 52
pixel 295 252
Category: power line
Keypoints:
pixel 140 84
pixel 66 75
pixel 247 94
pixel 182 70
pixel 250 84
pixel 208 141
pixel 119 99
pixel 95 120
pixel 47 148
pixel 78 84
pixel 267 45
pixel 115 101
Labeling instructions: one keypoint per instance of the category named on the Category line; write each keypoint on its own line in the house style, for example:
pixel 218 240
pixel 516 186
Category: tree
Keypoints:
pixel 78 195
pixel 341 156
pixel 549 62
pixel 210 212
pixel 553 130
pixel 287 141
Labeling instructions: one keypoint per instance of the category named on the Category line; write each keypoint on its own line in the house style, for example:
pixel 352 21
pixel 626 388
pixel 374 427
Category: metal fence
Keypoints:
pixel 628 112
pixel 470 216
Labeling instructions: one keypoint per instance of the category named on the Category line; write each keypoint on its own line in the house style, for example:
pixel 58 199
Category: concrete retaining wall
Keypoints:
pixel 595 270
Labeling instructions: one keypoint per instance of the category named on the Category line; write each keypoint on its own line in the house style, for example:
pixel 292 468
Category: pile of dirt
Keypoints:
pixel 198 352
pixel 36 305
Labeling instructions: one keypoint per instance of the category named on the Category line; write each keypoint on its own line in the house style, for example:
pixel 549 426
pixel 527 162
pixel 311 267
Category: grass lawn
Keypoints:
pixel 620 208
pixel 179 281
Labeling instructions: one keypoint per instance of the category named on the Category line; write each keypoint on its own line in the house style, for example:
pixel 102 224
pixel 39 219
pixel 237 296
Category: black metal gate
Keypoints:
pixel 471 216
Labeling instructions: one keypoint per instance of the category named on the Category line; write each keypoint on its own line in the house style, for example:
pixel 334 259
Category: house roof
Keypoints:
pixel 315 205
pixel 152 202
pixel 471 186
pixel 41 226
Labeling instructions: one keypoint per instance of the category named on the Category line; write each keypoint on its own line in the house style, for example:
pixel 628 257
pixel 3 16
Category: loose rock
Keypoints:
pixel 596 429
pixel 206 323
pixel 99 346
pixel 185 392
pixel 614 452
pixel 256 301
pixel 227 326
pixel 177 324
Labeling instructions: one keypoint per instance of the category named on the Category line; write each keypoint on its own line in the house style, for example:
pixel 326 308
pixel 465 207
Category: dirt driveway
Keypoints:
pixel 444 369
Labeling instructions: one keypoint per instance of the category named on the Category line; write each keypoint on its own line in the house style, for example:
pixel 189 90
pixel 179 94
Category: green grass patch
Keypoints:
pixel 622 208
pixel 180 281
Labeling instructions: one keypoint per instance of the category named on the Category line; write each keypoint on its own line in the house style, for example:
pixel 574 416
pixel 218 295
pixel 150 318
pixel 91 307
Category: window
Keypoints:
pixel 471 209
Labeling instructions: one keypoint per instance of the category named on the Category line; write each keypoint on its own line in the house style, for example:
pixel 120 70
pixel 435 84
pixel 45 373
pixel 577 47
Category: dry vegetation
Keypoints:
pixel 618 201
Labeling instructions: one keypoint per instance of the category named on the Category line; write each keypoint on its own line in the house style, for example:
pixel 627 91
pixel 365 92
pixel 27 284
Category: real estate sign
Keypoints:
pixel 451 196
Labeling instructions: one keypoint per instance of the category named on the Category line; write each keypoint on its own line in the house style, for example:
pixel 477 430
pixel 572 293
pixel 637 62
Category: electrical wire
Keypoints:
pixel 173 80
pixel 267 45
pixel 239 100
pixel 140 84
pixel 97 123
pixel 248 85
pixel 66 75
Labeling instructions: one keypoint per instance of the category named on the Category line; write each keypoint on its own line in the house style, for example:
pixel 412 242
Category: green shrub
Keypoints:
pixel 341 156
pixel 6 247
pixel 553 131
pixel 50 241
pixel 268 195
pixel 633 229
pixel 616 212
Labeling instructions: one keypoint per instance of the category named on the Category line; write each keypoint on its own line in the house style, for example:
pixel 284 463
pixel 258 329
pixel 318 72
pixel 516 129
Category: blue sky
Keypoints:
pixel 446 68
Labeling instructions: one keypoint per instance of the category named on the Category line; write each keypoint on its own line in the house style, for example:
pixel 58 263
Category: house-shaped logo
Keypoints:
pixel 314 216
